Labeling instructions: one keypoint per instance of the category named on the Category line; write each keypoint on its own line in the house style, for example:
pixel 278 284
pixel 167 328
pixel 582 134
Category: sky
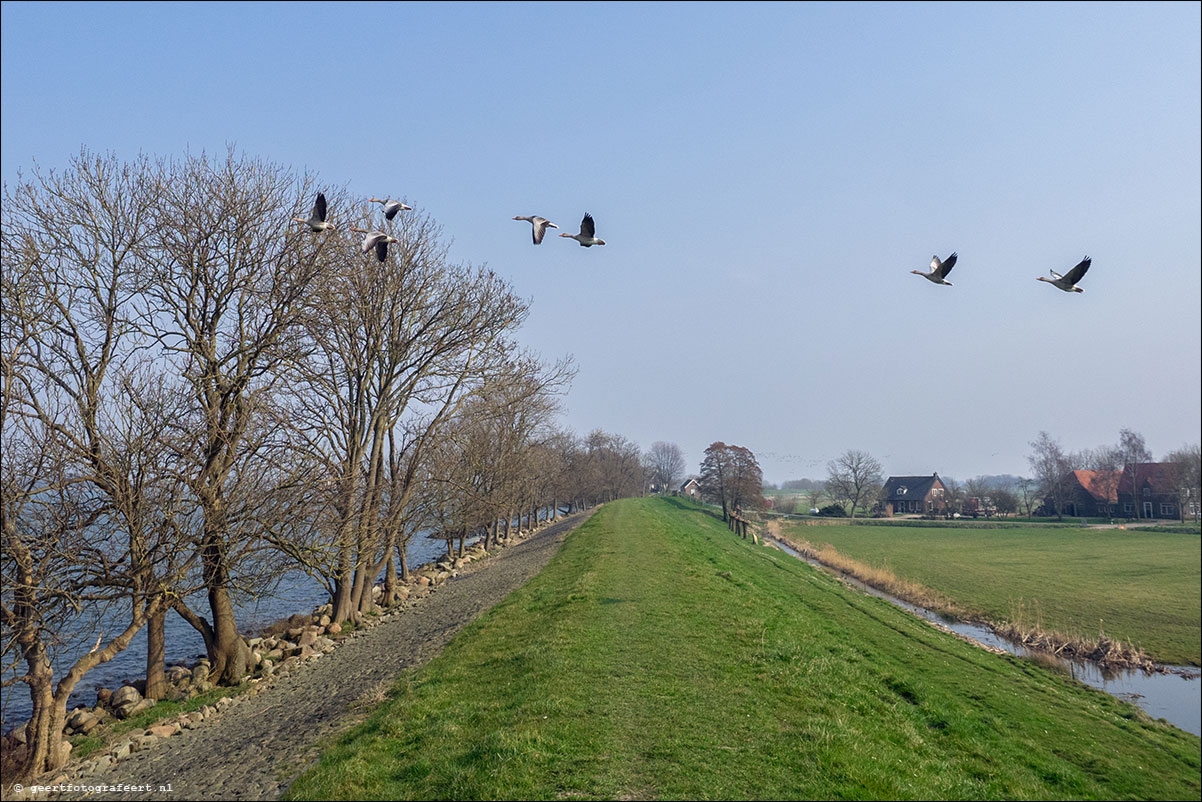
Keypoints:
pixel 765 176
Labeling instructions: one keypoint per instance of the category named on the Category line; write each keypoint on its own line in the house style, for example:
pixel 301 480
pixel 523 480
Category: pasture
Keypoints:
pixel 1137 586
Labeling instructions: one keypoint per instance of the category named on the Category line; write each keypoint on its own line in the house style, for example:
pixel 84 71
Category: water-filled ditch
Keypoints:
pixel 1172 693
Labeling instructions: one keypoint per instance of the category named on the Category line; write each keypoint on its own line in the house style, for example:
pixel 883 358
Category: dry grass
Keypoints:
pixel 1025 625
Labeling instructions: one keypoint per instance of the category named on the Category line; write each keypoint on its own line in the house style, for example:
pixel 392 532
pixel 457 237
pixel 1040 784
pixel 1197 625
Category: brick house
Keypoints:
pixel 914 494
pixel 691 488
pixel 1149 490
pixel 1090 494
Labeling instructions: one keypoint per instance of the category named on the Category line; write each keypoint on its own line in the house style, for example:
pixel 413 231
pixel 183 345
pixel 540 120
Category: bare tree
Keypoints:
pixel 1187 478
pixel 230 276
pixel 1134 453
pixel 854 476
pixel 1051 466
pixel 665 465
pixel 90 498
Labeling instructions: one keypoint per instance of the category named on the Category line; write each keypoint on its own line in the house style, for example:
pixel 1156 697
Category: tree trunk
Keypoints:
pixel 229 656
pixel 156 652
pixel 390 583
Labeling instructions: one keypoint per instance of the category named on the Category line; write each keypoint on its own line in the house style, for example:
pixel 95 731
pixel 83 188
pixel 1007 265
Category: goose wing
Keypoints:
pixel 947 265
pixel 371 239
pixel 538 229
pixel 587 227
pixel 382 248
pixel 391 208
pixel 319 208
pixel 1078 272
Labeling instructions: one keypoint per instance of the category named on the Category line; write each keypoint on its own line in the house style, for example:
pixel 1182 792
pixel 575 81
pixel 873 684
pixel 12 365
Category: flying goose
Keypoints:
pixel 587 236
pixel 1068 282
pixel 376 239
pixel 317 219
pixel 939 270
pixel 540 226
pixel 391 207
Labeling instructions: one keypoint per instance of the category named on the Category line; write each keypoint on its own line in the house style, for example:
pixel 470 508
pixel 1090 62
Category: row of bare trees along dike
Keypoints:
pixel 200 396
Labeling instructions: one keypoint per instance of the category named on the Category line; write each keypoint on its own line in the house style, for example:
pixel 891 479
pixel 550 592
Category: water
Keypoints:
pixel 1174 696
pixel 296 592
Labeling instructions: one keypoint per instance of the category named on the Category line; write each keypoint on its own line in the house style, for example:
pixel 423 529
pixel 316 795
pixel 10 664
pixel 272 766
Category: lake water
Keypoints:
pixel 296 593
pixel 1175 696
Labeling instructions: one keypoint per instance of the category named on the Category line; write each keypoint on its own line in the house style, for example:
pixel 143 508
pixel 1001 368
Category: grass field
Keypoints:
pixel 658 656
pixel 1138 586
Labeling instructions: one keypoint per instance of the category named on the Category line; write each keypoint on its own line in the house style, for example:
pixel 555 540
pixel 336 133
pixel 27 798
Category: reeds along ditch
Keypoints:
pixel 1024 626
pixel 1102 649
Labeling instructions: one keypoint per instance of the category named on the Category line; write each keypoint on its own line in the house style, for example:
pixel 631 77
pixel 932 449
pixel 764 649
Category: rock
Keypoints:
pixel 268 668
pixel 194 718
pixel 324 621
pixel 334 628
pixel 163 730
pixel 295 632
pixel 357 618
pixel 140 742
pixel 308 637
pixel 324 644
pixel 77 717
pixel 176 674
pixel 64 750
pixel 89 724
pixel 200 674
pixel 127 694
pixel 125 702
pixel 100 763
pixel 376 590
pixel 141 706
pixel 103 696
pixel 123 750
pixel 423 580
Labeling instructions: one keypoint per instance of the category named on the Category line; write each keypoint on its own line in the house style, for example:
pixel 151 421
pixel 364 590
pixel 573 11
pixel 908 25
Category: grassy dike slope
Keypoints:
pixel 658 656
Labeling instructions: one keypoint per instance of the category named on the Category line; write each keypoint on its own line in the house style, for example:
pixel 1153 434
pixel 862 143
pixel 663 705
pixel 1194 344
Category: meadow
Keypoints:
pixel 1134 585
pixel 659 656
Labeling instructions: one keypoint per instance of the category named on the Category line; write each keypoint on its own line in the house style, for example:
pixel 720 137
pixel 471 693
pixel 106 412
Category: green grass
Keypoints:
pixel 83 746
pixel 658 656
pixel 1136 585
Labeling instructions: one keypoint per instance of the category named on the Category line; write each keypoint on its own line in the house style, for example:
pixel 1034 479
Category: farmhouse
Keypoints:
pixel 1149 490
pixel 915 494
pixel 1090 494
pixel 691 489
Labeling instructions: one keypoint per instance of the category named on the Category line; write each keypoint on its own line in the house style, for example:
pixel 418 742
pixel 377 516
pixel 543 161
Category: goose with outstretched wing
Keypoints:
pixel 1068 282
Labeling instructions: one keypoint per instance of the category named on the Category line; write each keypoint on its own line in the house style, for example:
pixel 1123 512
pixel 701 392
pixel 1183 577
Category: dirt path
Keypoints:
pixel 255 749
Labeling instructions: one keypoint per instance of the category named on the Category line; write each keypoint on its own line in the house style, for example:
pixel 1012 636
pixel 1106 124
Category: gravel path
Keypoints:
pixel 263 742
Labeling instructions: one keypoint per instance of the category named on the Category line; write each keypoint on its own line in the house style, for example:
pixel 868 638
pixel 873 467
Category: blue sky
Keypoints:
pixel 765 176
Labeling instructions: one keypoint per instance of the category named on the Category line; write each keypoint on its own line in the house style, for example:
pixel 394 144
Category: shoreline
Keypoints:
pixel 280 720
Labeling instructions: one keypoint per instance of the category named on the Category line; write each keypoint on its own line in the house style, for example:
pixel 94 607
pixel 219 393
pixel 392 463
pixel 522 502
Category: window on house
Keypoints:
pixel 1127 508
pixel 1166 509
pixel 1147 491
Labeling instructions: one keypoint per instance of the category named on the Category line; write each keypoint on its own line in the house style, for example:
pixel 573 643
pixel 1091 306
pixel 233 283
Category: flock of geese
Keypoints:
pixel 1067 282
pixel 380 240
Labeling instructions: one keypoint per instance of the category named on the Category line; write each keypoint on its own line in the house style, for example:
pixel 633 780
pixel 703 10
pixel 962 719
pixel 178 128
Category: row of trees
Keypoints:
pixel 199 395
pixel 1052 467
pixel 855 481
